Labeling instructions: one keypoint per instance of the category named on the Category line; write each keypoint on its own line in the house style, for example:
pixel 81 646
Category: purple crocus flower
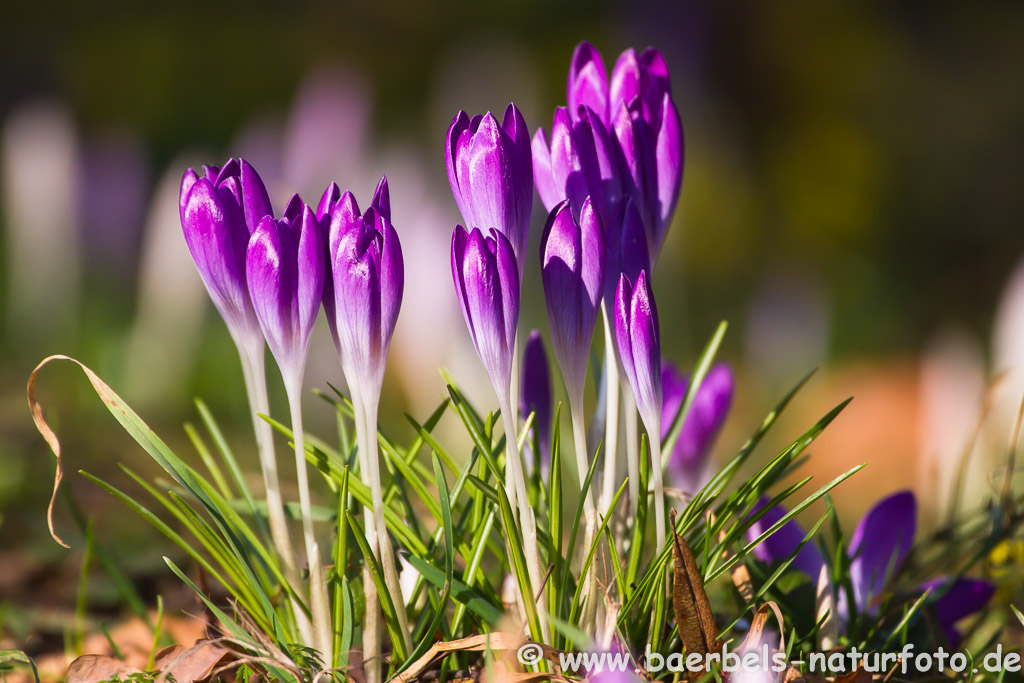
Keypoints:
pixel 581 160
pixel 638 108
pixel 490 169
pixel 687 464
pixel 219 212
pixel 878 548
pixel 486 276
pixel 535 396
pixel 366 263
pixel 638 338
pixel 285 273
pixel 572 269
pixel 337 212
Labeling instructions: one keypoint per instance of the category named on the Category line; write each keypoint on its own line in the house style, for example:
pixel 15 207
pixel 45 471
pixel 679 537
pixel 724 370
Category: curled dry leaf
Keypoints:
pixel 497 641
pixel 96 668
pixel 690 602
pixel 193 664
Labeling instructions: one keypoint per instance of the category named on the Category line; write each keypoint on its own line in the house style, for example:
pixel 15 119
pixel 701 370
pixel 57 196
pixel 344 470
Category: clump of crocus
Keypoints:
pixel 535 399
pixel 490 171
pixel 637 106
pixel 687 464
pixel 285 273
pixel 878 548
pixel 638 339
pixel 367 273
pixel 218 214
pixel 486 277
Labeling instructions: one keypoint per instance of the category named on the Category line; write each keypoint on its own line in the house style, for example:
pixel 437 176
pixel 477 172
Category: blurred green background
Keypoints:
pixel 851 200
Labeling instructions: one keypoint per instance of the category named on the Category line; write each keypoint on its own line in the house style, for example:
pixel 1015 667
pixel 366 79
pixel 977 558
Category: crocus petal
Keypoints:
pixel 543 178
pixel 392 281
pixel 328 199
pixel 271 269
pixel 508 274
pixel 625 83
pixel 255 200
pixel 477 271
pixel 588 81
pixel 880 544
pixel 646 341
pixel 784 541
pixel 382 199
pixel 187 181
pixel 592 265
pixel 344 215
pixel 635 256
pixel 458 126
pixel 655 83
pixel 311 268
pixel 669 154
pixel 966 596
pixel 599 163
pixel 565 163
pixel 623 298
pixel 356 267
pixel 514 127
pixel 483 170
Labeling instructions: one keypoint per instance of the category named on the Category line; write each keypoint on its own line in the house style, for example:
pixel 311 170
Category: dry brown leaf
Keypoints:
pixel 193 664
pixel 858 675
pixel 96 668
pixel 690 602
pixel 165 656
pixel 498 640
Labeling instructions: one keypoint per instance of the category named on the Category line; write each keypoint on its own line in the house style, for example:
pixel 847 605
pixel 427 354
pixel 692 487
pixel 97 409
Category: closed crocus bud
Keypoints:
pixel 688 462
pixel 638 339
pixel 337 212
pixel 572 269
pixel 652 163
pixel 214 211
pixel 486 277
pixel 644 77
pixel 285 272
pixel 535 395
pixel 581 160
pixel 367 268
pixel 490 169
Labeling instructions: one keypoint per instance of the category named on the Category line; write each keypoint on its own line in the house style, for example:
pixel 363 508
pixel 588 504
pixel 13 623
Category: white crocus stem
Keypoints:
pixel 653 427
pixel 322 632
pixel 527 523
pixel 254 372
pixel 611 419
pixel 372 623
pixel 386 554
pixel 579 434
pixel 632 445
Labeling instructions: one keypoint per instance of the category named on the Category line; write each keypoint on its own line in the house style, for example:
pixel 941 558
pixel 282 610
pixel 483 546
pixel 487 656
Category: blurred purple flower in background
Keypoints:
pixel 688 463
pixel 535 397
pixel 491 174
pixel 878 548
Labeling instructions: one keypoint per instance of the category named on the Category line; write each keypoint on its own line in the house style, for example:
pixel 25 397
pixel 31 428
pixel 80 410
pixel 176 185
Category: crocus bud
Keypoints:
pixel 338 211
pixel 214 212
pixel 572 269
pixel 535 395
pixel 368 279
pixel 490 169
pixel 486 277
pixel 652 163
pixel 644 77
pixel 582 160
pixel 285 272
pixel 638 339
pixel 688 462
